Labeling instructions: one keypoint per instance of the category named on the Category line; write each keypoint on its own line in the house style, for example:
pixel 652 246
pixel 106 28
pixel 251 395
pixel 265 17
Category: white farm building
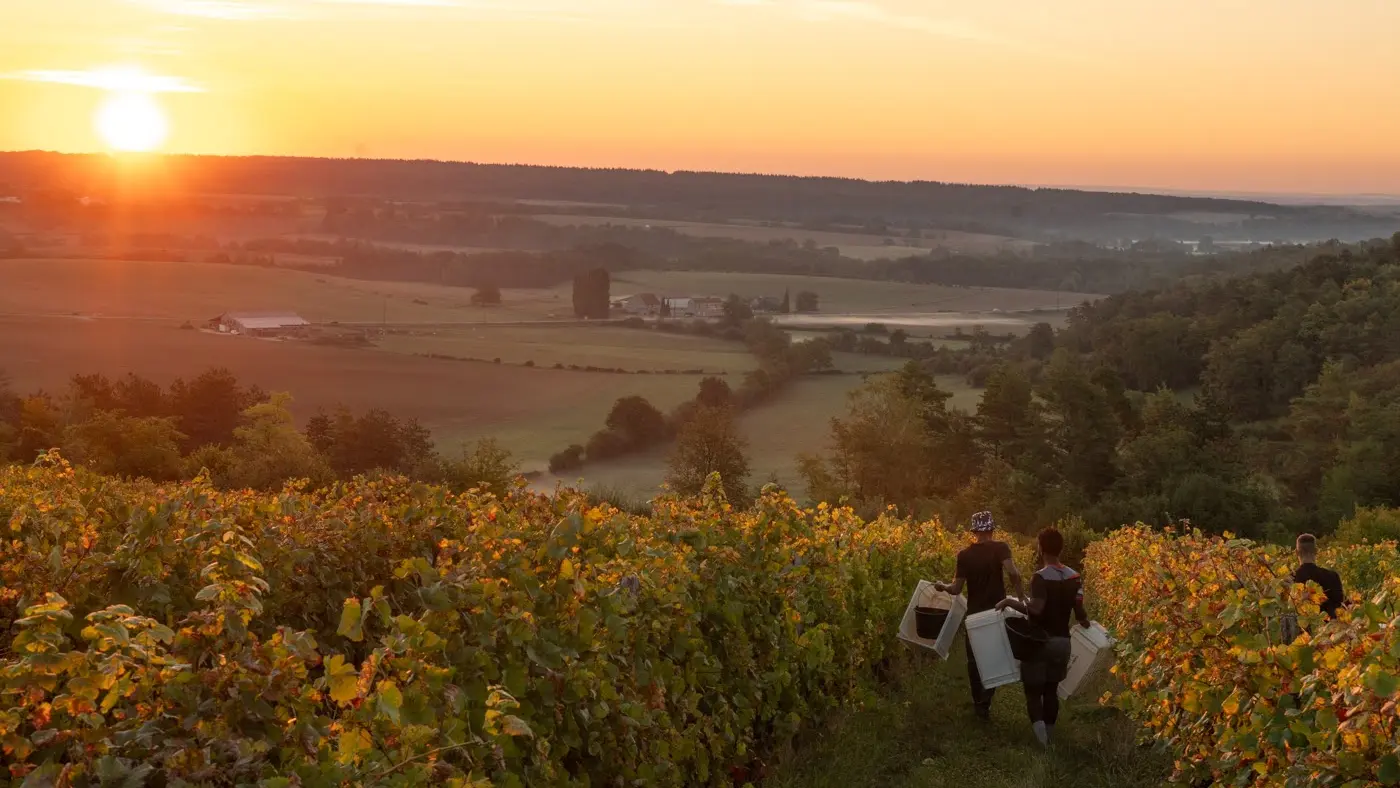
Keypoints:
pixel 261 324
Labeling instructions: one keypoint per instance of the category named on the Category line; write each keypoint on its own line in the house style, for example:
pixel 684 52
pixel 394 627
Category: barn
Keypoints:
pixel 261 324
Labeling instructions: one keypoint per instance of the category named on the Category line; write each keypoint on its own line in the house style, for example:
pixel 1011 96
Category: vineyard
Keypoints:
pixel 385 633
pixel 1209 673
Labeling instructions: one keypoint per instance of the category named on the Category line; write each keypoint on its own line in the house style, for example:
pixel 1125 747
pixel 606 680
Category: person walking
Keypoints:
pixel 1057 593
pixel 982 568
pixel 1309 572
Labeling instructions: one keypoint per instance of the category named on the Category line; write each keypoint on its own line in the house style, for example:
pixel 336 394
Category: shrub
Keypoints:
pixel 567 460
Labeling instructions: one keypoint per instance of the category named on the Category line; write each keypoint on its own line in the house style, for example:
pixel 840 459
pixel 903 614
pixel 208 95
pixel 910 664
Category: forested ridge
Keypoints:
pixel 1266 404
pixel 1040 213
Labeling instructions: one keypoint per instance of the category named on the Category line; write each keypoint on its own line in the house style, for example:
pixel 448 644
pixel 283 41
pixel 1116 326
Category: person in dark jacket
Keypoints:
pixel 1057 593
pixel 1309 572
pixel 981 567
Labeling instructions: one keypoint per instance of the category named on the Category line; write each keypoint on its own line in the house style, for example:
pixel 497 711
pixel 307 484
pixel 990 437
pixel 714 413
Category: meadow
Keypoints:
pixel 860 246
pixel 777 432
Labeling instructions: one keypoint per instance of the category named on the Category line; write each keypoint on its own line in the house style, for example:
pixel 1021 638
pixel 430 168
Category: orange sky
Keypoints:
pixel 1288 95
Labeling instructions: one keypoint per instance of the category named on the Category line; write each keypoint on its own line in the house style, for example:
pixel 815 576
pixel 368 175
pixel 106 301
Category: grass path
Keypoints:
pixel 918 731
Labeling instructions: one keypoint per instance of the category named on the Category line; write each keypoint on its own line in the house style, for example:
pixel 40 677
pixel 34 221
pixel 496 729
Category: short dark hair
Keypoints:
pixel 1307 543
pixel 1051 542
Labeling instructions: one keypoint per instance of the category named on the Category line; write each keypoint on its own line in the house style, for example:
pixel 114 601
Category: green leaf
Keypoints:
pixel 352 620
pixel 1388 773
pixel 342 679
pixel 1383 684
pixel 208 592
pixel 390 700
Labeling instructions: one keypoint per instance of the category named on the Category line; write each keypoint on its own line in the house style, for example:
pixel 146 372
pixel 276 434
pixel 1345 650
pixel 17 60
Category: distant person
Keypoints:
pixel 980 568
pixel 1309 572
pixel 1057 592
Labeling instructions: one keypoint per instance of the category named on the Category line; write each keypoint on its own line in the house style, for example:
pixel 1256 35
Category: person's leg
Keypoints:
pixel 981 700
pixel 1035 708
pixel 1051 707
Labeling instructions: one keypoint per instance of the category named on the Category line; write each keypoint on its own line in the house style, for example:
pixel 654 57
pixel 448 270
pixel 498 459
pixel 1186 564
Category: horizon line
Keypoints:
pixel 1240 195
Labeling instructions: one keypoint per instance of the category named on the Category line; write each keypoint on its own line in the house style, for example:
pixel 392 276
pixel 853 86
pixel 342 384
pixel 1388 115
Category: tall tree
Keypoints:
pixel 593 294
pixel 710 443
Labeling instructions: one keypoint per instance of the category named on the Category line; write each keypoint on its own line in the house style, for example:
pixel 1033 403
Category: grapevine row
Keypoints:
pixel 384 633
pixel 1209 673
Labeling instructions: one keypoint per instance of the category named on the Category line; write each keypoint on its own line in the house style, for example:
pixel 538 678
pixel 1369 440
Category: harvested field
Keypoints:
pixel 200 291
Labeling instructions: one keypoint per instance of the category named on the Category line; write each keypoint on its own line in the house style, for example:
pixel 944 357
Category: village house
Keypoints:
pixel 697 306
pixel 643 304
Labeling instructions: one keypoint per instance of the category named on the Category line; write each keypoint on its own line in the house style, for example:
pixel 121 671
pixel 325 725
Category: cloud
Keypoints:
pixel 864 11
pixel 234 10
pixel 112 78
pixel 253 10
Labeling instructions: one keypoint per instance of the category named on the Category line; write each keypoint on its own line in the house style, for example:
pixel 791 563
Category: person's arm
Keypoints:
pixel 1008 564
pixel 1032 608
pixel 1080 613
pixel 959 579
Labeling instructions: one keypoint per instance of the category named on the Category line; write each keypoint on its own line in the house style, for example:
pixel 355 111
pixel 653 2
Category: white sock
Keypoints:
pixel 1042 735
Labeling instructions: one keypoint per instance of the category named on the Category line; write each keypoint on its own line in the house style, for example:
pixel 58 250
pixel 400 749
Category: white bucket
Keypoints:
pixel 986 631
pixel 925 595
pixel 1090 651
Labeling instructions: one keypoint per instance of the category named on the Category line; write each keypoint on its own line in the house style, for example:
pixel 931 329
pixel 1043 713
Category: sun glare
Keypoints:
pixel 132 121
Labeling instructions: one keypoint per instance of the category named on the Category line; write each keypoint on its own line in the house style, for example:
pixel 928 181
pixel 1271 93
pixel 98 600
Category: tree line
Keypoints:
pixel 240 435
pixel 1264 405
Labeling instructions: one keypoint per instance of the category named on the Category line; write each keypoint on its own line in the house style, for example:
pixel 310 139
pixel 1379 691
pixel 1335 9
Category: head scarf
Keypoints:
pixel 983 523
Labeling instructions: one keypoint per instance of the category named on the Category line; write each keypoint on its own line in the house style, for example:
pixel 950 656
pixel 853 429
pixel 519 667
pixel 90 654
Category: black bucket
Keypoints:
pixel 928 622
pixel 1027 639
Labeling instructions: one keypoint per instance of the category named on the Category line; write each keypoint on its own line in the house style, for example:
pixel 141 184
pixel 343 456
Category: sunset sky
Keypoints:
pixel 1284 95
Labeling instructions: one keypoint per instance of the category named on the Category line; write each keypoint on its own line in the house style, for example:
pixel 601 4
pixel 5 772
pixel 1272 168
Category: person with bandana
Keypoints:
pixel 982 568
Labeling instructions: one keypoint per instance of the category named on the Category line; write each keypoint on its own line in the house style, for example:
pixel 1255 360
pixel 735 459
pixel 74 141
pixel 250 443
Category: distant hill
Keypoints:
pixel 1036 214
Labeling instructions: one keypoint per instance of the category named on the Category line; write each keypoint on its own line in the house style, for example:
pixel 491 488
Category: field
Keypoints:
pixel 537 411
pixel 200 291
pixel 847 295
pixel 64 317
pixel 606 347
pixel 859 246
pixel 776 433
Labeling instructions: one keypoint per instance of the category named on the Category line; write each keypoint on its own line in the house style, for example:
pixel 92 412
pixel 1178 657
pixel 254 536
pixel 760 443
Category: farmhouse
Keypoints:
pixel 261 324
pixel 647 304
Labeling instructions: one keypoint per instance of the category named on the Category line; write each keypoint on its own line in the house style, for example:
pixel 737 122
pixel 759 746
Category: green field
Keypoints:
pixel 601 346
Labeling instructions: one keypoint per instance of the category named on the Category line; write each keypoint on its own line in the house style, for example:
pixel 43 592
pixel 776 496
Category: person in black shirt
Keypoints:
pixel 980 567
pixel 1309 572
pixel 1057 592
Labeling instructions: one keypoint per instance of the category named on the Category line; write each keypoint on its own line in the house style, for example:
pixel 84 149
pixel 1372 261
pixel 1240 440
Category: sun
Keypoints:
pixel 132 121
